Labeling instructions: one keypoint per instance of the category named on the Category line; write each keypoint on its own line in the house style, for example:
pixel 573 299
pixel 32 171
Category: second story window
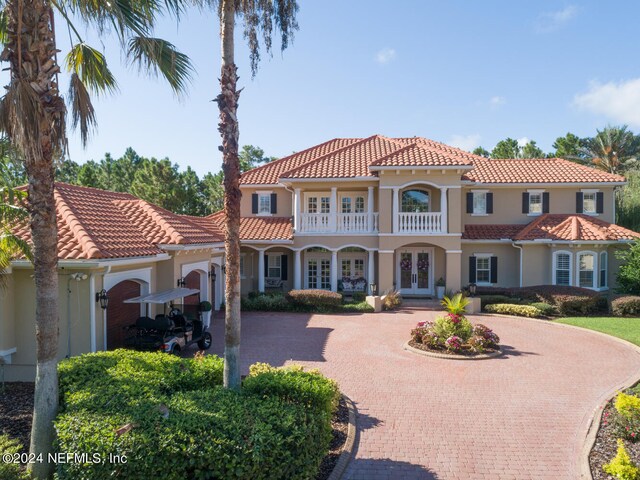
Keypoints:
pixel 479 203
pixel 264 203
pixel 318 204
pixel 415 201
pixel 590 202
pixel 535 202
pixel 346 204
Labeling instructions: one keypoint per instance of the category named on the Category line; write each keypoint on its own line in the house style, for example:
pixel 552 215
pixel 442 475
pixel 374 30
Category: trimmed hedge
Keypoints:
pixel 172 420
pixel 265 303
pixel 626 306
pixel 314 298
pixel 491 299
pixel 546 309
pixel 512 309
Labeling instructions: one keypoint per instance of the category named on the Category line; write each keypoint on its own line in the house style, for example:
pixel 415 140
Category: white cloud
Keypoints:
pixel 385 55
pixel 497 101
pixel 523 141
pixel 552 21
pixel 618 101
pixel 465 142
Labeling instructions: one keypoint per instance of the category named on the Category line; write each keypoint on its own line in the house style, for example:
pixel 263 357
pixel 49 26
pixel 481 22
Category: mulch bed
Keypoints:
pixel 606 448
pixel 463 353
pixel 340 425
pixel 16 410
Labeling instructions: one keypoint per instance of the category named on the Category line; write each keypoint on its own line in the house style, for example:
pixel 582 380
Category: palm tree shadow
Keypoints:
pixel 510 351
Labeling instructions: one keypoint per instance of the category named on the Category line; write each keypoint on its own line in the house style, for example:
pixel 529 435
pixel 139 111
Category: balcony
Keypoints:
pixel 338 223
pixel 425 223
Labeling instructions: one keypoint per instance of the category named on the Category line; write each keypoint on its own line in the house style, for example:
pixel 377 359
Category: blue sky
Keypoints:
pixel 466 73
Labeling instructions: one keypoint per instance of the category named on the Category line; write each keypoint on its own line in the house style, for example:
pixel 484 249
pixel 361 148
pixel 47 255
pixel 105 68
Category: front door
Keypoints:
pixel 415 271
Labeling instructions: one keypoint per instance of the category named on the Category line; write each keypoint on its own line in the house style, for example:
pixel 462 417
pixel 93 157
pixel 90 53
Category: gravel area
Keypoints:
pixel 465 353
pixel 16 410
pixel 340 424
pixel 606 447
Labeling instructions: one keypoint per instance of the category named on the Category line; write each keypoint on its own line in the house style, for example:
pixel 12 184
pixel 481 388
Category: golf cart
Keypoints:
pixel 172 331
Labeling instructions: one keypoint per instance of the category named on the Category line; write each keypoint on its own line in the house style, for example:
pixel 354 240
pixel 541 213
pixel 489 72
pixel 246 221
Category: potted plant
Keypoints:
pixel 440 287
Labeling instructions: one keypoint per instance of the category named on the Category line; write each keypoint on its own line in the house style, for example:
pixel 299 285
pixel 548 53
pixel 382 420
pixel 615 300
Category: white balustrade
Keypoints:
pixel 429 222
pixel 344 223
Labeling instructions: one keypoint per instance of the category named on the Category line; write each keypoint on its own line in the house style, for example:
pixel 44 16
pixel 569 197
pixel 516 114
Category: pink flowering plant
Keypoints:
pixel 453 332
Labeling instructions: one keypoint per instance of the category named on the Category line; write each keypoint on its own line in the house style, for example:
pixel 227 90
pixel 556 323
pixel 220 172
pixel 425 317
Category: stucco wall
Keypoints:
pixel 508 261
pixel 284 202
pixel 507 204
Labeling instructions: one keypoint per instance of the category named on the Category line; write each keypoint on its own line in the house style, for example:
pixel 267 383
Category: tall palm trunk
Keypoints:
pixel 33 116
pixel 228 128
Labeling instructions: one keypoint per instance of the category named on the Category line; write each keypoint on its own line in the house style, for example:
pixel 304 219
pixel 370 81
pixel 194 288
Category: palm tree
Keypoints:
pixel 613 149
pixel 33 116
pixel 258 15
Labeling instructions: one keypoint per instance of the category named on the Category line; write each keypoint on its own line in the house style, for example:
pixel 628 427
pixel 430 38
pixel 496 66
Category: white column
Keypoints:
pixel 261 271
pixel 444 209
pixel 371 274
pixel 395 210
pixel 296 210
pixel 370 209
pixel 334 271
pixel 297 270
pixel 333 208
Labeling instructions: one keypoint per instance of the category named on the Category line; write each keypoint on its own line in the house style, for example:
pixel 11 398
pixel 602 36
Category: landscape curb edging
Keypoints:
pixel 480 356
pixel 347 449
pixel 592 426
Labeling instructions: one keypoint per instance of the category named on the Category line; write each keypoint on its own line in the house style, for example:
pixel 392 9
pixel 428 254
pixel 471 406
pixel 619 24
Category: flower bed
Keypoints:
pixel 451 333
pixel 617 449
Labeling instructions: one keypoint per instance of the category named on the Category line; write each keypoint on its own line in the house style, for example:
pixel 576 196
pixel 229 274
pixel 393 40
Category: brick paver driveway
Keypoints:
pixel 523 415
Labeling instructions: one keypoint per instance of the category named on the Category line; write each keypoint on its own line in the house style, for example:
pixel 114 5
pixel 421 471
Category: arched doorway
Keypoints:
pixel 120 314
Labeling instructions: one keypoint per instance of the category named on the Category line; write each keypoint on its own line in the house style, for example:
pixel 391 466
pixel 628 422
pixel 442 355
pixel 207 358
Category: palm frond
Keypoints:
pixel 15 247
pixel 126 16
pixel 90 66
pixel 3 24
pixel 83 114
pixel 157 56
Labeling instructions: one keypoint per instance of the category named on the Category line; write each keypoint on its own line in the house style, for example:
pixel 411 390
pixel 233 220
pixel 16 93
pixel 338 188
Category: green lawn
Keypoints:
pixel 625 328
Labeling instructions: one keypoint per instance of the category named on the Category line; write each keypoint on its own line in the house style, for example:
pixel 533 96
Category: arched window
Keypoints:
pixel 415 201
pixel 603 269
pixel 562 268
pixel 586 270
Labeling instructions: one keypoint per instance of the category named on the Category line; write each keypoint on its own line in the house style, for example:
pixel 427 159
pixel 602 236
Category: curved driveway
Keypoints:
pixel 523 415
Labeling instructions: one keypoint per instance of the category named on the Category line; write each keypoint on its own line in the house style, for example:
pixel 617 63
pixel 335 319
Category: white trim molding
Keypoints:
pixel 554 266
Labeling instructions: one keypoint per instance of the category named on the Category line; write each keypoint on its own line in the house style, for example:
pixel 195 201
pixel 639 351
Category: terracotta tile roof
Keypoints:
pixel 359 157
pixel 94 224
pixel 490 232
pixel 350 161
pixel 539 170
pixel 574 227
pixel 268 174
pixel 259 228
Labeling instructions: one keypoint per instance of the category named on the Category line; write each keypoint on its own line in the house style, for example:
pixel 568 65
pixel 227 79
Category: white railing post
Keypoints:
pixel 444 209
pixel 333 209
pixel 261 271
pixel 395 210
pixel 296 210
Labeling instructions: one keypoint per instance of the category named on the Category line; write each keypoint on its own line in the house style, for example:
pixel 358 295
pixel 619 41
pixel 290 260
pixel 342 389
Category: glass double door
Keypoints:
pixel 415 271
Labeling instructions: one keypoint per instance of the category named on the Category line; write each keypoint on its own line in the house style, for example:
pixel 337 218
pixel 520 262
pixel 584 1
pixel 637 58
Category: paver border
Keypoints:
pixel 347 449
pixel 480 356
pixel 592 426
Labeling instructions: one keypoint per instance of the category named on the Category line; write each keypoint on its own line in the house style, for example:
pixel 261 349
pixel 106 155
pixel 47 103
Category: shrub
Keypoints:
pixel 628 275
pixel 278 427
pixel 11 470
pixel 621 466
pixel 359 297
pixel 625 306
pixel 580 305
pixel 314 298
pixel 293 384
pixel 491 299
pixel 626 420
pixel 511 309
pixel 450 325
pixel 265 303
pixel 361 307
pixel 546 309
pixel 453 343
pixel 627 405
pixel 477 344
pixel 491 339
pixel 455 305
pixel 391 300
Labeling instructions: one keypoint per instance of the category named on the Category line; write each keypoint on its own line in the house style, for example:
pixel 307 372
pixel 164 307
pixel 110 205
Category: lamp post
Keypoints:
pixel 472 289
pixel 181 282
pixel 373 288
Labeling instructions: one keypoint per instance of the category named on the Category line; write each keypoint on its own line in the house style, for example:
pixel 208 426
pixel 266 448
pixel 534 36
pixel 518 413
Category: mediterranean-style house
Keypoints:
pixel 400 213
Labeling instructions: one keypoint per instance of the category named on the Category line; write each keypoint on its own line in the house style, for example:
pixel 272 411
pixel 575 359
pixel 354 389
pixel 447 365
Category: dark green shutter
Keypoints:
pixel 472 269
pixel 600 203
pixel 274 203
pixel 525 202
pixel 494 269
pixel 284 269
pixel 469 202
pixel 579 202
pixel 254 203
pixel 545 202
pixel 489 202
